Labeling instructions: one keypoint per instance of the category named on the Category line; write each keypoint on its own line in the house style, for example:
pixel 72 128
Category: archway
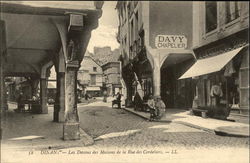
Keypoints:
pixel 176 93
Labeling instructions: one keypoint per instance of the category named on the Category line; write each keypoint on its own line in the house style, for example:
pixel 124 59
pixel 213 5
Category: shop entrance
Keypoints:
pixel 177 93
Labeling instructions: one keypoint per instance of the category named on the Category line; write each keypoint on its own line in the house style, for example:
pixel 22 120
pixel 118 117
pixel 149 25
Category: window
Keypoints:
pixel 211 16
pixel 136 25
pixel 136 2
pixel 93 79
pixel 232 11
pixel 124 11
pixel 125 42
pixel 132 32
pixel 94 69
pixel 129 9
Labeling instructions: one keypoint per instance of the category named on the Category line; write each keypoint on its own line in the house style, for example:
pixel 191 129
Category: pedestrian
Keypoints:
pixel 20 102
pixel 160 107
pixel 105 96
pixel 86 97
pixel 138 102
pixel 118 98
pixel 152 110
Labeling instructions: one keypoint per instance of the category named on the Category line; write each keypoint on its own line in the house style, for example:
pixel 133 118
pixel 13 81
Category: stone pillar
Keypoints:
pixel 157 81
pixel 43 96
pixel 3 98
pixel 59 107
pixel 129 94
pixel 2 94
pixel 71 128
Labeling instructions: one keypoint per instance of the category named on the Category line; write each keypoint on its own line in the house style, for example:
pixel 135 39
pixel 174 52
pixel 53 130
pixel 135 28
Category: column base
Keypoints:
pixel 44 109
pixel 71 131
pixel 55 116
pixel 61 117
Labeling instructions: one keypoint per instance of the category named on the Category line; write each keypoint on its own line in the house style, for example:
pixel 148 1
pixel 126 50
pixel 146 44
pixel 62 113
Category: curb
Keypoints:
pixel 214 131
pixel 195 126
pixel 145 117
pixel 234 133
pixel 87 140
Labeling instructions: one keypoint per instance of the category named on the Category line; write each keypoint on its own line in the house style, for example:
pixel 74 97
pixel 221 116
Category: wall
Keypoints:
pixel 87 69
pixel 170 18
pixel 112 73
pixel 223 29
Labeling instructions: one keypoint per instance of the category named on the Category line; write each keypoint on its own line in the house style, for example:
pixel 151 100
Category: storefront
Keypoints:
pixel 221 76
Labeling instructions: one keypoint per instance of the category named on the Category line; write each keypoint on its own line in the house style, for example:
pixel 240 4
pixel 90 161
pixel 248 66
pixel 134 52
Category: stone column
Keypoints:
pixel 157 81
pixel 59 107
pixel 43 95
pixel 129 94
pixel 71 128
pixel 3 95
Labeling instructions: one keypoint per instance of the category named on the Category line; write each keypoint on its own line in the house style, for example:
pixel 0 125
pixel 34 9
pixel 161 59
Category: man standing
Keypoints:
pixel 105 96
pixel 20 102
pixel 152 110
pixel 118 98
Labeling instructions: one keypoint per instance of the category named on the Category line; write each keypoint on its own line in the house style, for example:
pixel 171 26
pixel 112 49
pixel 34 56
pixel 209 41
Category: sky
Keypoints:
pixel 105 34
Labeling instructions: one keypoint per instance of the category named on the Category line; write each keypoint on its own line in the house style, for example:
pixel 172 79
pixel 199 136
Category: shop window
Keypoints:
pixel 211 16
pixel 232 11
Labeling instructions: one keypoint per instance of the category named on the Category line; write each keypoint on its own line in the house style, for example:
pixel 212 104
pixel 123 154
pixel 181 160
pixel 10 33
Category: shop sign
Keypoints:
pixel 171 42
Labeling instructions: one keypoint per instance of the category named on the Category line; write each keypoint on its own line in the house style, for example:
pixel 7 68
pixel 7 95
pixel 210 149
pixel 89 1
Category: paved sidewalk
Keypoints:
pixel 221 127
pixel 29 131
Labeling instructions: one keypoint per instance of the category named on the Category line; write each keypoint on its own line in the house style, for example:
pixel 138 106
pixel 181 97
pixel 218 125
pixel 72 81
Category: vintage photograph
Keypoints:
pixel 124 81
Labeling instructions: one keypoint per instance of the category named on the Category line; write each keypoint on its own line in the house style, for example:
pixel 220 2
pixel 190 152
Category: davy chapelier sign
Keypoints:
pixel 171 42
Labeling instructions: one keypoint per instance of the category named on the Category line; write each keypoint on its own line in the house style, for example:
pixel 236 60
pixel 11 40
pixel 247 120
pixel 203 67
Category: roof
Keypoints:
pixel 117 62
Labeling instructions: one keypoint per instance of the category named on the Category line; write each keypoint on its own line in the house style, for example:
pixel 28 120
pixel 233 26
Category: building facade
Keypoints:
pixel 156 48
pixel 111 77
pixel 90 77
pixel 221 31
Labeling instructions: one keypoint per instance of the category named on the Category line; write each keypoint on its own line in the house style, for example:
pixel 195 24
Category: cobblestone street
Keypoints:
pixel 115 127
pixel 120 136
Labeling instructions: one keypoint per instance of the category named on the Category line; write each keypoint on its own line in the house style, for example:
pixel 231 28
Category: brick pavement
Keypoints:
pixel 100 120
pixel 115 130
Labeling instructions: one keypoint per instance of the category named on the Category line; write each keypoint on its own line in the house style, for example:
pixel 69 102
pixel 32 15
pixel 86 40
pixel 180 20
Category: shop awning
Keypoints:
pixel 211 64
pixel 93 89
